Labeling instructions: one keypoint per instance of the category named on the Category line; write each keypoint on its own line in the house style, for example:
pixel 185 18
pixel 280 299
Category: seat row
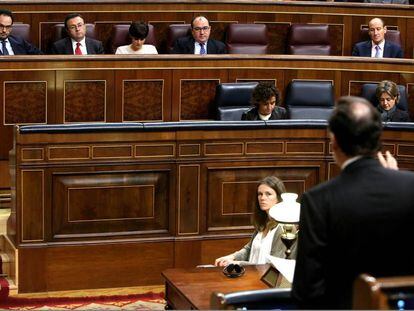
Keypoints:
pixel 304 99
pixel 303 39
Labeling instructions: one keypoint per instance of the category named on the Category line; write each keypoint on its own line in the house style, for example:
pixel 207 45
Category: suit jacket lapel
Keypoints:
pixel 68 46
pixel 369 48
pixel 386 50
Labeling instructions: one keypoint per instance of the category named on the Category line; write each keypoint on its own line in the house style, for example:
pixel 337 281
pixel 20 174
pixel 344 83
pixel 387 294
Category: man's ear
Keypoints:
pixel 385 29
pixel 333 141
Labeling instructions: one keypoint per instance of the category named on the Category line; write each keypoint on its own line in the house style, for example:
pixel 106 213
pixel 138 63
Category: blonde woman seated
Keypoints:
pixel 138 31
pixel 388 96
pixel 266 238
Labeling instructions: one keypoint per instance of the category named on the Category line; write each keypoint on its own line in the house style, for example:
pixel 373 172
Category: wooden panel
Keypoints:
pixel 143 100
pixel 187 150
pixel 69 153
pixel 197 99
pixel 101 203
pixel 32 206
pixel 93 266
pixel 188 199
pixel 232 191
pixel 32 154
pixel 405 150
pixel 264 147
pixel 111 152
pixel 19 95
pixel 305 147
pixel 154 150
pixel 223 149
pixel 278 34
pixel 85 101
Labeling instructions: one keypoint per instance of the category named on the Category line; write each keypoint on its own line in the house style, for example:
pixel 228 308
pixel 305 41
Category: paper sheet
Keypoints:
pixel 284 266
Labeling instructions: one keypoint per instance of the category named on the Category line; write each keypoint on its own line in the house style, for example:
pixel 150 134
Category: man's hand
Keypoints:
pixel 388 161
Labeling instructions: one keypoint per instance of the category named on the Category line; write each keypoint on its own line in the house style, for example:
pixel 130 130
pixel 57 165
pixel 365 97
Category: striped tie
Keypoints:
pixel 377 51
pixel 202 49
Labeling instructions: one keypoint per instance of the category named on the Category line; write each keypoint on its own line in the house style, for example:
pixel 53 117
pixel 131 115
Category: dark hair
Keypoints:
pixel 260 217
pixel 356 125
pixel 388 87
pixel 7 13
pixel 263 92
pixel 199 16
pixel 138 30
pixel 70 16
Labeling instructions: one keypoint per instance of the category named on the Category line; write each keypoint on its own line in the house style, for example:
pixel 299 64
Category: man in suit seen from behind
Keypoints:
pixel 77 43
pixel 199 42
pixel 358 222
pixel 11 44
pixel 377 47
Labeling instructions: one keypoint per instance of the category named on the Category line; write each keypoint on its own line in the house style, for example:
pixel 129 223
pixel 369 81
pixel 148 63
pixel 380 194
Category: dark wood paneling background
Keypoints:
pixel 56 89
pixel 94 208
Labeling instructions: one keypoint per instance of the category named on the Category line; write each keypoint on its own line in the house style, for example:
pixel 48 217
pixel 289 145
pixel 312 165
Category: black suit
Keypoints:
pixel 185 45
pixel 64 46
pixel 364 48
pixel 360 221
pixel 253 114
pixel 22 47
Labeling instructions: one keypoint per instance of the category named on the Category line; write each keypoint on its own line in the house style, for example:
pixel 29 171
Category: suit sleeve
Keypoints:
pixel 400 53
pixel 53 49
pixel 221 48
pixel 31 49
pixel 178 48
pixel 355 51
pixel 309 282
pixel 100 49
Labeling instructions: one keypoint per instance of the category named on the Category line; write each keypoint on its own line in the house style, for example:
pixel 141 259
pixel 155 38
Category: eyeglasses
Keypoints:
pixel 8 27
pixel 198 29
pixel 73 27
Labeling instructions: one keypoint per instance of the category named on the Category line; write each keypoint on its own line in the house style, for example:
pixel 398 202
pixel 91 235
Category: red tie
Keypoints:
pixel 78 50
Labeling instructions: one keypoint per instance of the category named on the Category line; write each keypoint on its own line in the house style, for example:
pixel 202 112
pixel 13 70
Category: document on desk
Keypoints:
pixel 284 266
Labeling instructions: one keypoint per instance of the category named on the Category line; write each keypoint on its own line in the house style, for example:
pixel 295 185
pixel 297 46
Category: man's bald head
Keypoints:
pixel 356 125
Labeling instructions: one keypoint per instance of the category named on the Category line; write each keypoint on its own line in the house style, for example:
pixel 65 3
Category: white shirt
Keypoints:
pixel 261 247
pixel 197 47
pixel 374 50
pixel 8 47
pixel 263 117
pixel 82 46
pixel 145 49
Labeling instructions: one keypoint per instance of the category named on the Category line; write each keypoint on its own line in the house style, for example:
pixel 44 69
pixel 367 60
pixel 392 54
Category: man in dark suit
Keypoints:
pixel 10 44
pixel 359 222
pixel 77 43
pixel 199 42
pixel 377 47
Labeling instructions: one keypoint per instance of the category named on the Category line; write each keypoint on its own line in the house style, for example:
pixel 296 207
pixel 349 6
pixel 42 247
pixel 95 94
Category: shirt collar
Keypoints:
pixel 349 161
pixel 381 45
pixel 82 42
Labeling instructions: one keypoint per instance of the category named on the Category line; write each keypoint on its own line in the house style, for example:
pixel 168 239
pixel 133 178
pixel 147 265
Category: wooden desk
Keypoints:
pixel 191 288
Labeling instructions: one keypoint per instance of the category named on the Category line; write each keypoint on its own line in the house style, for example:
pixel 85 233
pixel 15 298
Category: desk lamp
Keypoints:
pixel 287 213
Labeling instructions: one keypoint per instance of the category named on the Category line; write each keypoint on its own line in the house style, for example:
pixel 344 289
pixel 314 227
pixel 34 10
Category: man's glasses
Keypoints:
pixel 73 27
pixel 198 29
pixel 8 27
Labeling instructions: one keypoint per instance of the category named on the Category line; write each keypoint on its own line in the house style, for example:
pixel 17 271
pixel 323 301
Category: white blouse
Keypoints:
pixel 145 49
pixel 261 247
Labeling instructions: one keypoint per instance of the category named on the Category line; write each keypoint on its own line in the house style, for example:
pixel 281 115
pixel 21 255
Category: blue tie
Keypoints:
pixel 377 53
pixel 3 47
pixel 202 49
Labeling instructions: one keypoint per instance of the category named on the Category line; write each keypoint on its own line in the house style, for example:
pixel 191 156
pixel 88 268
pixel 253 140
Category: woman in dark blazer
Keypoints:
pixel 388 96
pixel 266 101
